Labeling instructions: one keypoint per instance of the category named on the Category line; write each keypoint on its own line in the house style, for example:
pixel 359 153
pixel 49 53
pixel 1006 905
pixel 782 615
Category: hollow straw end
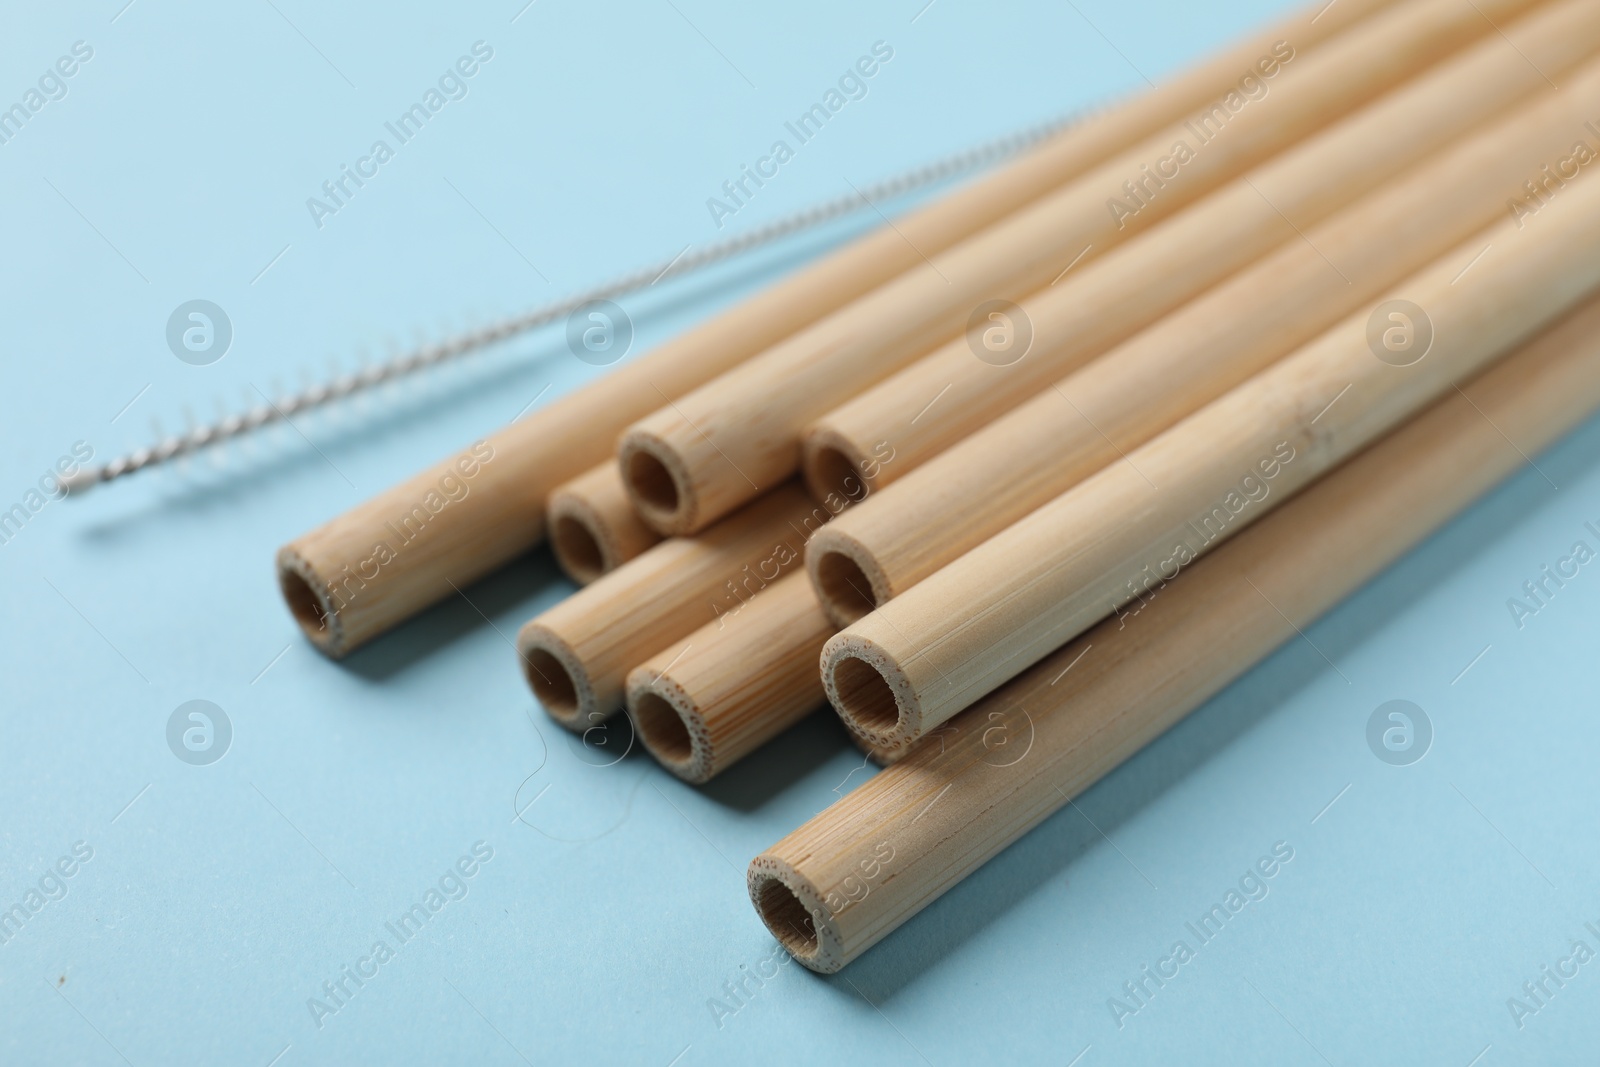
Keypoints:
pixel 558 678
pixel 670 726
pixel 846 578
pixel 832 464
pixel 577 538
pixel 869 691
pixel 311 603
pixel 658 482
pixel 794 912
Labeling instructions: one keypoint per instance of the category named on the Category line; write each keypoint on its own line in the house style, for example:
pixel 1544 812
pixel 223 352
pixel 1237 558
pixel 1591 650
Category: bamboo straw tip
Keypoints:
pixel 670 725
pixel 880 755
pixel 658 481
pixel 869 690
pixel 794 912
pixel 848 581
pixel 578 539
pixel 310 601
pixel 558 678
pixel 835 465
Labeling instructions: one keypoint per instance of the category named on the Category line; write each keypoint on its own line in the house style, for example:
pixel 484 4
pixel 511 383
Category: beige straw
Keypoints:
pixel 577 655
pixel 701 705
pixel 918 524
pixel 593 526
pixel 932 404
pixel 1003 606
pixel 705 453
pixel 419 542
pixel 854 873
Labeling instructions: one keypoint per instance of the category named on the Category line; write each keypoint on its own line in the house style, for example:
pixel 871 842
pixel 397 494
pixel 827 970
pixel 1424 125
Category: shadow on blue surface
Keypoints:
pixel 528 581
pixel 787 759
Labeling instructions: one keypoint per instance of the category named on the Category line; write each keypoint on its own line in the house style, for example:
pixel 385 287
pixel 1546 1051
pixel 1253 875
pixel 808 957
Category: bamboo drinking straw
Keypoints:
pixel 725 690
pixel 356 576
pixel 577 654
pixel 903 533
pixel 1000 608
pixel 593 527
pixel 743 683
pixel 946 395
pixel 705 453
pixel 852 874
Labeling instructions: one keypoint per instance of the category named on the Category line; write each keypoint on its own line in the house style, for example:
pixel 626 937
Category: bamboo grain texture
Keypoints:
pixel 576 655
pixel 412 545
pixel 701 705
pixel 941 398
pixel 984 618
pixel 919 523
pixel 711 450
pixel 848 877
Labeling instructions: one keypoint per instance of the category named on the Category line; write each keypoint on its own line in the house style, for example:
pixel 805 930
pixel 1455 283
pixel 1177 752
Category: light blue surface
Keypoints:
pixel 220 898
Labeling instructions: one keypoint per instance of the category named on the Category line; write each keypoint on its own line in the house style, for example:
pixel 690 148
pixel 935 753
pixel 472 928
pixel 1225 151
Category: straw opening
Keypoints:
pixel 832 471
pixel 865 695
pixel 651 482
pixel 662 729
pixel 551 683
pixel 786 917
pixel 845 589
pixel 307 606
pixel 577 548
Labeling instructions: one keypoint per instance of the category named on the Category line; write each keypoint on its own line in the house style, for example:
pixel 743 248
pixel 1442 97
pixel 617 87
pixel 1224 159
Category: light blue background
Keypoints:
pixel 222 897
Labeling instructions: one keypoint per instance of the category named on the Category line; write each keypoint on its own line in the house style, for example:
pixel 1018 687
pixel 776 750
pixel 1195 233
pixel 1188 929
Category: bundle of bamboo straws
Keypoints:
pixel 1061 454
